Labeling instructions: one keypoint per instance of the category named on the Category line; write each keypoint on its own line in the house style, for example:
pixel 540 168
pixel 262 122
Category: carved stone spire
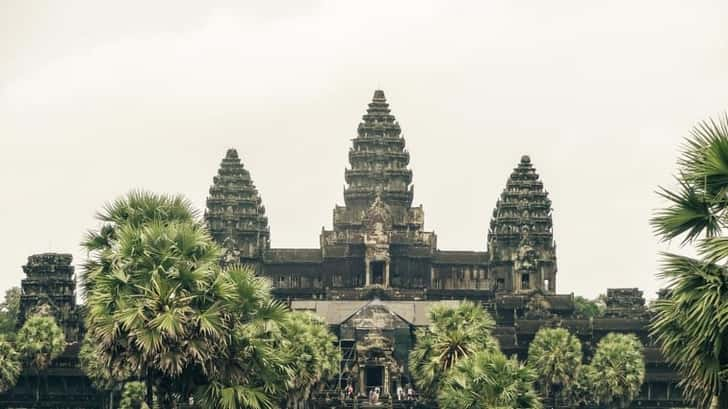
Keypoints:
pixel 235 214
pixel 521 230
pixel 378 160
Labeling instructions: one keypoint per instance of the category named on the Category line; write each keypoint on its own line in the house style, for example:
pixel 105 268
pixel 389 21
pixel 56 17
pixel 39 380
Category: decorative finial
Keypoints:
pixel 379 94
pixel 231 154
pixel 525 159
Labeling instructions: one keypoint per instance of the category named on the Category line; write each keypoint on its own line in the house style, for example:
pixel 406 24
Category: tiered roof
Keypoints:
pixel 378 160
pixel 50 289
pixel 523 208
pixel 235 213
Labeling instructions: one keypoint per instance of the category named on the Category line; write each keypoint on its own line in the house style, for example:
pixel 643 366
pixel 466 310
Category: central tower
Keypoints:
pixel 377 222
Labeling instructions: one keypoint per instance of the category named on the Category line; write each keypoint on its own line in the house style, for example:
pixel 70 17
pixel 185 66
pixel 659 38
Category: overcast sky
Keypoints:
pixel 98 98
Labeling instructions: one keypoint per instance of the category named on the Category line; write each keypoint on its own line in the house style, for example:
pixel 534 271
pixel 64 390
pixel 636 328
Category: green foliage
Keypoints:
pixel 9 310
pixel 40 341
pixel 589 308
pixel 555 355
pixel 133 396
pixel 102 376
pixel 579 392
pixel 312 353
pixel 691 325
pixel 487 379
pixel 10 366
pixel 620 368
pixel 454 333
pixel 161 309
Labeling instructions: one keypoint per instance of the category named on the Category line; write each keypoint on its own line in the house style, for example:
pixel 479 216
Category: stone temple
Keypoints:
pixel 376 274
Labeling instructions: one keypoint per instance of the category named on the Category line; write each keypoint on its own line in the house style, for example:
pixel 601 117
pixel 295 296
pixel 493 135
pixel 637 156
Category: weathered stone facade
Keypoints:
pixel 377 272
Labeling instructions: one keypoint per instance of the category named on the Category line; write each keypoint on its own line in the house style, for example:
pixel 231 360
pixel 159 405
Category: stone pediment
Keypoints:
pixel 375 315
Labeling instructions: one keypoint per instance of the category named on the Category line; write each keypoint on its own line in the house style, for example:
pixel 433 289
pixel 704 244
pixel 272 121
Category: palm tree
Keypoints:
pixel 453 334
pixel 253 370
pixel 10 366
pixel 132 396
pixel 312 354
pixel 487 379
pixel 159 309
pixel 691 325
pixel 39 342
pixel 580 391
pixel 555 355
pixel 620 366
pixel 134 210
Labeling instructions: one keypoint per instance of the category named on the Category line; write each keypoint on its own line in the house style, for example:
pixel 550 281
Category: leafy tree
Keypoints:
pixel 555 355
pixel 9 310
pixel 620 368
pixel 10 366
pixel 691 325
pixel 589 308
pixel 39 342
pixel 453 334
pixel 487 379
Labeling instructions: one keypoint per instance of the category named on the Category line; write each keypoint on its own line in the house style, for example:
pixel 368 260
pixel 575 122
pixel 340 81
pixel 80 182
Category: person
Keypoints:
pixel 375 396
pixel 410 393
pixel 349 391
pixel 400 393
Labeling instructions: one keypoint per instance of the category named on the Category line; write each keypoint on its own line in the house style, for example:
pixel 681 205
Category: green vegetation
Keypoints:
pixel 691 323
pixel 487 379
pixel 454 333
pixel 457 361
pixel 618 370
pixel 590 308
pixel 162 310
pixel 39 342
pixel 555 355
pixel 10 365
pixel 9 312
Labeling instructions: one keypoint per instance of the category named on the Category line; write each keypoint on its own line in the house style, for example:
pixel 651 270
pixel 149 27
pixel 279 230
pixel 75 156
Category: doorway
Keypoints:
pixel 375 377
pixel 376 268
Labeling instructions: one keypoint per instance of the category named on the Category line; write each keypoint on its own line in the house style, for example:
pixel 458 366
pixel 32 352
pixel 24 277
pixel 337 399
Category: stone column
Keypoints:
pixel 368 273
pixel 386 274
pixel 362 383
pixel 385 382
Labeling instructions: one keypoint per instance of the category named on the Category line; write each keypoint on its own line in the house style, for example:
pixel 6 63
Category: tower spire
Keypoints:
pixel 378 160
pixel 521 230
pixel 235 213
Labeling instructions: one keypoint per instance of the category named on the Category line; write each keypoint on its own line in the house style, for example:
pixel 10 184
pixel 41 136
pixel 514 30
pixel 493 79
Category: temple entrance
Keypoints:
pixel 525 281
pixel 375 377
pixel 376 269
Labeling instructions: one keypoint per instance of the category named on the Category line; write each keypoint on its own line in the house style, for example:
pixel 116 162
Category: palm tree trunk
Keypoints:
pixel 148 382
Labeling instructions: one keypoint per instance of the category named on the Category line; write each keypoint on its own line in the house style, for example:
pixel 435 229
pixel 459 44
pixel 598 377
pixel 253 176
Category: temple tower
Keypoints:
pixel 378 160
pixel 520 240
pixel 50 289
pixel 235 214
pixel 378 221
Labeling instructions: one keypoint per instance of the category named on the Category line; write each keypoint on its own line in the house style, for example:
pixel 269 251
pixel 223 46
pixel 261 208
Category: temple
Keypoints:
pixel 375 276
pixel 378 271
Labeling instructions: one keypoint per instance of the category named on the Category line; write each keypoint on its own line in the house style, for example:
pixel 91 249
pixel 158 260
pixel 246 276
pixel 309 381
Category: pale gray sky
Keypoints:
pixel 98 98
